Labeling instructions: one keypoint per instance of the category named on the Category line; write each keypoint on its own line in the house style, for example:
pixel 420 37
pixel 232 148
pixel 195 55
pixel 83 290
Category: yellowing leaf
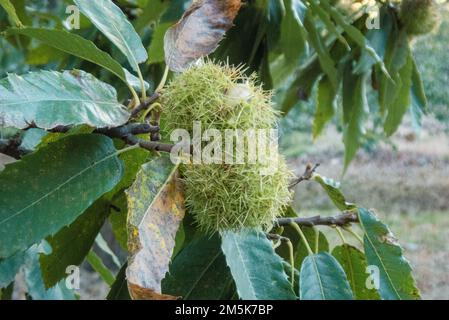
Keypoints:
pixel 198 32
pixel 156 208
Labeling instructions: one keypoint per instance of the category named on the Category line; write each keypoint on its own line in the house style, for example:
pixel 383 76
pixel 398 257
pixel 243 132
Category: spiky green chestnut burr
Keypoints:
pixel 226 196
pixel 419 16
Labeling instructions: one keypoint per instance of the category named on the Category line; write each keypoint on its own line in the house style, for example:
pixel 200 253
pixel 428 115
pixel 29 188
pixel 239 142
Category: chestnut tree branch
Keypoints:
pixel 338 220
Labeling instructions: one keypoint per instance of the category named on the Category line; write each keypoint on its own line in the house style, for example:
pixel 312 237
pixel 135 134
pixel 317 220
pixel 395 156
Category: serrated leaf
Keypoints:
pixel 113 23
pixel 301 250
pixel 11 11
pixel 418 93
pixel 198 32
pixel 377 39
pixel 325 59
pixel 257 270
pixel 292 30
pixel 74 45
pixel 71 244
pixel 33 279
pixel 325 106
pixel 327 21
pixel 355 108
pixel 355 34
pixel 155 210
pixel 322 278
pixel 333 191
pixel 396 56
pixel 49 99
pixel 9 268
pixel 419 105
pixel 381 250
pixel 354 264
pixel 152 11
pixel 199 272
pixel 119 289
pixel 397 108
pixel 53 180
pixel 156 48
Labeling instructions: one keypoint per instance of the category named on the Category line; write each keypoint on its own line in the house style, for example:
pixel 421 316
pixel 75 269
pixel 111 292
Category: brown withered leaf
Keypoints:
pixel 198 32
pixel 155 210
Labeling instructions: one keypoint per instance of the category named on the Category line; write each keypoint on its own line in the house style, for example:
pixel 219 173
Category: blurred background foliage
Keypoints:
pixel 260 41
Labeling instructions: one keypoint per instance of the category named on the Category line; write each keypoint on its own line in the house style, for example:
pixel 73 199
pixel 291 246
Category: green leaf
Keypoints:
pixel 156 49
pixel 257 270
pixel 326 62
pixel 155 210
pixel 419 100
pixel 112 22
pixel 74 45
pixel 6 293
pixel 36 190
pixel 333 190
pixel 198 266
pixel 152 11
pixel 11 11
pixel 101 243
pixel 293 35
pixel 119 289
pixel 97 264
pixel 9 268
pixel 71 244
pixel 378 40
pixel 354 264
pixel 355 107
pixel 418 94
pixel 325 106
pixel 322 278
pixel 118 219
pixel 301 250
pixel 398 107
pixel 49 99
pixel 396 56
pixel 381 250
pixel 34 282
pixel 327 21
pixel 355 34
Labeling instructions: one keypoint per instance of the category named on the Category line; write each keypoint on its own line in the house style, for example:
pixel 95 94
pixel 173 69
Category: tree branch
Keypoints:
pixel 338 220
pixel 11 147
pixel 145 104
pixel 148 145
pixel 307 175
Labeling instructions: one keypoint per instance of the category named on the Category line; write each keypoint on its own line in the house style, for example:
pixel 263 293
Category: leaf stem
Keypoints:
pixel 340 234
pixel 163 80
pixel 355 235
pixel 317 239
pixel 121 151
pixel 292 262
pixel 136 99
pixel 142 84
pixel 303 237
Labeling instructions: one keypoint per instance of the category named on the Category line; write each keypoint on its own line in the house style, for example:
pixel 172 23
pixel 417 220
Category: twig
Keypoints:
pixel 149 145
pixel 338 220
pixel 307 175
pixel 12 148
pixel 133 128
pixel 145 104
